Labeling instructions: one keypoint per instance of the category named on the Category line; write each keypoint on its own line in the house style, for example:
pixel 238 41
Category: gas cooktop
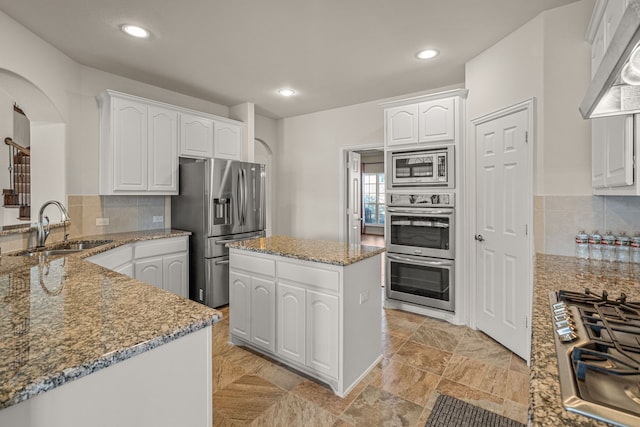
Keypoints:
pixel 598 349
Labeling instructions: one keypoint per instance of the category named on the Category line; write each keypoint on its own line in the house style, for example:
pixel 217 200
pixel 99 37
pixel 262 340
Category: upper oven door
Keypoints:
pixel 422 168
pixel 423 232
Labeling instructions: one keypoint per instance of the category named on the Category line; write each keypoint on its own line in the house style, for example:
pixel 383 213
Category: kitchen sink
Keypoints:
pixel 65 248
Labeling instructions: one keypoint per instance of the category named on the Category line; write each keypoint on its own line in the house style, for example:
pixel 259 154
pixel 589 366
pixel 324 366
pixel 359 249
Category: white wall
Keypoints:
pixel 308 160
pixel 266 129
pixel 566 164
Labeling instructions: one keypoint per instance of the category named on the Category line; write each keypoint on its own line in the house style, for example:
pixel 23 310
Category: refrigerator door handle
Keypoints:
pixel 240 196
pixel 244 202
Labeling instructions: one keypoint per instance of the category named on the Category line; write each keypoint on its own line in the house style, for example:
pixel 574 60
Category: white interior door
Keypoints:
pixel 503 247
pixel 354 198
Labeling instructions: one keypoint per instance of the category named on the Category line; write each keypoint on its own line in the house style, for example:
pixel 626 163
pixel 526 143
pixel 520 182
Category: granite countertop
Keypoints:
pixel 553 273
pixel 327 252
pixel 62 318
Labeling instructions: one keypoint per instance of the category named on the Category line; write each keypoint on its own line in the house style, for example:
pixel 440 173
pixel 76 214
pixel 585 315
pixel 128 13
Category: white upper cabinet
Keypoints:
pixel 437 120
pixel 138 146
pixel 196 136
pixel 163 150
pixel 141 141
pixel 129 145
pixel 401 125
pixel 423 120
pixel 613 139
pixel 227 142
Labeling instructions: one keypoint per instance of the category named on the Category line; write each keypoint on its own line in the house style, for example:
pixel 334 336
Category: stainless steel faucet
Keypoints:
pixel 42 229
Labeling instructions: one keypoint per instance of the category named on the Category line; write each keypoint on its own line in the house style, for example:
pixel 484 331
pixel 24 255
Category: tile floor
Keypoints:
pixel 423 357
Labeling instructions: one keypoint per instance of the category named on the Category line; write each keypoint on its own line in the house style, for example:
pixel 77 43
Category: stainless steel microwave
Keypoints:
pixel 421 168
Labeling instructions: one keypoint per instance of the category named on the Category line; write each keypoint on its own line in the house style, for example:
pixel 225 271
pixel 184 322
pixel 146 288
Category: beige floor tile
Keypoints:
pixel 400 323
pixel 279 375
pixel 477 345
pixel 406 381
pixel 220 420
pixel 517 387
pixel 375 407
pixel 518 365
pixel 391 343
pixel 470 395
pixel 292 410
pixel 225 372
pixel 325 398
pixel 516 411
pixel 246 399
pixel 435 337
pixel 423 357
pixel 475 374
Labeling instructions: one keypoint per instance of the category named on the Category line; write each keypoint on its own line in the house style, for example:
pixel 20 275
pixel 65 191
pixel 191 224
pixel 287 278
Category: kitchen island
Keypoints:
pixel 313 305
pixel 553 273
pixel 83 345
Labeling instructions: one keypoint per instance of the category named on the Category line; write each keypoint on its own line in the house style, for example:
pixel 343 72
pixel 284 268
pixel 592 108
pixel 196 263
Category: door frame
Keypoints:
pixel 528 105
pixel 343 158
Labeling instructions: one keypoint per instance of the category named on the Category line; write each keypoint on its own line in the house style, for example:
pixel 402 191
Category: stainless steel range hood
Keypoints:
pixel 608 94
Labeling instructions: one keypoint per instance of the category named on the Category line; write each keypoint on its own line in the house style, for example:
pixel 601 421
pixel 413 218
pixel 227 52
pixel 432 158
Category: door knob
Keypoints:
pixel 479 237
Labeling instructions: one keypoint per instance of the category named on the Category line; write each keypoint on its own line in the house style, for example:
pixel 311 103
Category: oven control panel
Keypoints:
pixel 422 199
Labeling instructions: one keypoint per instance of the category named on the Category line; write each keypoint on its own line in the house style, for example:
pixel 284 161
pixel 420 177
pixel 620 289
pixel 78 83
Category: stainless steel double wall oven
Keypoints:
pixel 420 265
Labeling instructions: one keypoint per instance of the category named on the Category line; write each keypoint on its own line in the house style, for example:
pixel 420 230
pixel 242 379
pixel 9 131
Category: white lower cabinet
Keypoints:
pixel 322 328
pixel 163 263
pixel 321 319
pixel 291 322
pixel 255 318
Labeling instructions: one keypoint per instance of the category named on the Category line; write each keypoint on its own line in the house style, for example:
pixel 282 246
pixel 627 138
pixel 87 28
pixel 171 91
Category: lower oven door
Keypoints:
pixel 421 280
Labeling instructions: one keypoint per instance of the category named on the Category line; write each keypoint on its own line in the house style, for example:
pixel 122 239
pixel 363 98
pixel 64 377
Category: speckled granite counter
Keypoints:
pixel 551 274
pixel 323 251
pixel 62 318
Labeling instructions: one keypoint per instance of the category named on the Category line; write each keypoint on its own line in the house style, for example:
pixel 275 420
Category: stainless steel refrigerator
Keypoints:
pixel 220 201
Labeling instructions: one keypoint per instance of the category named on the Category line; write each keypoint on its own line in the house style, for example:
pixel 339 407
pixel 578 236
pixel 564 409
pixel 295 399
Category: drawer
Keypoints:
pixel 114 257
pixel 252 264
pixel 308 275
pixel 161 247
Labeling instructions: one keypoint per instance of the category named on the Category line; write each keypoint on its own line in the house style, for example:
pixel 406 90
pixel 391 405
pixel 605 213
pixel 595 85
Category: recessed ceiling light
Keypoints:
pixel 135 31
pixel 427 54
pixel 286 91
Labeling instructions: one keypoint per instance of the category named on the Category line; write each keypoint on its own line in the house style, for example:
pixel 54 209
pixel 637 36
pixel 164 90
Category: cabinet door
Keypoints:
pixel 263 313
pixel 227 141
pixel 150 270
pixel 401 125
pixel 322 333
pixel 196 136
pixel 291 322
pixel 618 168
pixel 129 145
pixel 163 150
pixel 437 120
pixel 240 300
pixel 597 50
pixel 176 274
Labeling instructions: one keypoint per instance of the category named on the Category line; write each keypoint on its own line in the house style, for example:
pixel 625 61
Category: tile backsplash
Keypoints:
pixel 124 213
pixel 559 218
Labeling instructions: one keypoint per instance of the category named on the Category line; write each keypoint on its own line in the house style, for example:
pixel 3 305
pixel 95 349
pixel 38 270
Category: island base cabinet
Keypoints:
pixel 170 385
pixel 327 317
pixel 255 318
pixel 322 329
pixel 291 322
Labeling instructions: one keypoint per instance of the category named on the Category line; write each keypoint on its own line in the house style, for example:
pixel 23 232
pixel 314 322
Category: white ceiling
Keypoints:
pixel 333 52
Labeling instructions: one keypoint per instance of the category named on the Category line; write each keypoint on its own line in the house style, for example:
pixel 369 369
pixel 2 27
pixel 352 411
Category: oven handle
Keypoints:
pixel 430 224
pixel 423 211
pixel 421 261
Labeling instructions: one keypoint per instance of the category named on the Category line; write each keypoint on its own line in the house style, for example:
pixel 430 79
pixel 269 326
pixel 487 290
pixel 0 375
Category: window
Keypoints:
pixel 373 198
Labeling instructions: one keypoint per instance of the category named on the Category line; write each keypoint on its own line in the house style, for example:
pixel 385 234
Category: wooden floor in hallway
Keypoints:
pixel 423 357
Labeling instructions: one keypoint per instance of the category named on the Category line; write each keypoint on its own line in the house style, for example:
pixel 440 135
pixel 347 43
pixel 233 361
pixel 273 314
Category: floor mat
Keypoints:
pixel 451 412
